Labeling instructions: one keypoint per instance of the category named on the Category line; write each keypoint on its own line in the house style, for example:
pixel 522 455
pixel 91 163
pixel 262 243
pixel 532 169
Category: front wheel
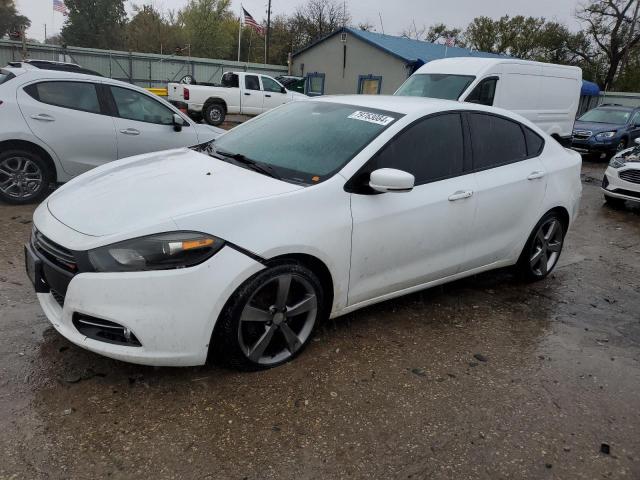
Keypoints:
pixel 24 177
pixel 214 114
pixel 542 250
pixel 270 318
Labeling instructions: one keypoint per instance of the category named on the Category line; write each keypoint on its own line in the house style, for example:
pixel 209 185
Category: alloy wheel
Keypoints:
pixel 277 319
pixel 215 115
pixel 546 247
pixel 20 177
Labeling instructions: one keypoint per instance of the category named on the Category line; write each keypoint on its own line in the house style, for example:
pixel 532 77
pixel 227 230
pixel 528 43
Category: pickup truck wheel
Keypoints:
pixel 214 114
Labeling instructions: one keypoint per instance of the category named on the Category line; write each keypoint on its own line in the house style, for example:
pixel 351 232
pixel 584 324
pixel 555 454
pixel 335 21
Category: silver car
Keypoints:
pixel 55 125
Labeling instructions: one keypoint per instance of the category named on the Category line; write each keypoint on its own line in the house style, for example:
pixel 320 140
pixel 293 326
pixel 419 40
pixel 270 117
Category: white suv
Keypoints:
pixel 55 125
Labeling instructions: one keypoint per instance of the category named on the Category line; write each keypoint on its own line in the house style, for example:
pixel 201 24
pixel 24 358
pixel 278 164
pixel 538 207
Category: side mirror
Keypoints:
pixel 283 90
pixel 391 180
pixel 637 140
pixel 178 122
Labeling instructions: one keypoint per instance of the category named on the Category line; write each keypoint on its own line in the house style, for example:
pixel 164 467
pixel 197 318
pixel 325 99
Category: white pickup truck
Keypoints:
pixel 240 93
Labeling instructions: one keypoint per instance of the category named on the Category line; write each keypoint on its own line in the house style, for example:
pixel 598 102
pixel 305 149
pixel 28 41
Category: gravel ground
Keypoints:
pixel 483 378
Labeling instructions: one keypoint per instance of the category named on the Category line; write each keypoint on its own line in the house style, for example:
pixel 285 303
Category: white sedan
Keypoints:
pixel 621 180
pixel 312 210
pixel 55 125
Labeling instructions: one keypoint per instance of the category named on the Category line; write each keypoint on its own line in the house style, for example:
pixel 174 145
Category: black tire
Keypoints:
pixel 231 337
pixel 25 177
pixel 620 147
pixel 614 202
pixel 214 113
pixel 531 268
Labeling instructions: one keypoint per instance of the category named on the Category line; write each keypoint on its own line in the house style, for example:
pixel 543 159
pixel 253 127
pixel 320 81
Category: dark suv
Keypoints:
pixel 606 129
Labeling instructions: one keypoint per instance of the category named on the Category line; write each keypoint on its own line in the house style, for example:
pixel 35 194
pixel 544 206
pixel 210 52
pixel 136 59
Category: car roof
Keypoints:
pixel 408 105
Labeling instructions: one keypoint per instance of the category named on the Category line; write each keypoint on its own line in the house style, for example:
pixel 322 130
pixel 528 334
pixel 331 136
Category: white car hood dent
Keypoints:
pixel 134 194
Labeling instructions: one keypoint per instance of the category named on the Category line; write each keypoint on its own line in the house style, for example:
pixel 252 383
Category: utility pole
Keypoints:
pixel 266 55
pixel 24 42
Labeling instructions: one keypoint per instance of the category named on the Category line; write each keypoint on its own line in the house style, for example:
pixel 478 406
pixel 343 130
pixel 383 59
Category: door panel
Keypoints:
pixel 405 239
pixel 273 96
pixel 402 240
pixel 82 139
pixel 252 96
pixel 511 184
pixel 145 125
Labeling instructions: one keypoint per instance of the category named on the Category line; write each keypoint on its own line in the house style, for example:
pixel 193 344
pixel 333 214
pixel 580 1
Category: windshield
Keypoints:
pixel 435 85
pixel 305 142
pixel 5 76
pixel 606 115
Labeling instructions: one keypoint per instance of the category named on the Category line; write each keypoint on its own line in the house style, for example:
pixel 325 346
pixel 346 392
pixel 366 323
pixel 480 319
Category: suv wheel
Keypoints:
pixel 542 250
pixel 24 176
pixel 270 318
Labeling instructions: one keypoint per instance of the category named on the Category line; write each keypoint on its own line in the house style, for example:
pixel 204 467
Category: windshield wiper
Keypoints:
pixel 255 166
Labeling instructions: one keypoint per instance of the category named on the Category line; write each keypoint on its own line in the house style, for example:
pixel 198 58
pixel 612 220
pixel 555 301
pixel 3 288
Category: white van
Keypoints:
pixel 544 93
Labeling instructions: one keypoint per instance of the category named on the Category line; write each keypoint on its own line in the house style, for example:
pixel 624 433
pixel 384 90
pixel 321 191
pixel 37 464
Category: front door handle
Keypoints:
pixel 247 93
pixel 267 95
pixel 535 175
pixel 43 117
pixel 130 131
pixel 460 195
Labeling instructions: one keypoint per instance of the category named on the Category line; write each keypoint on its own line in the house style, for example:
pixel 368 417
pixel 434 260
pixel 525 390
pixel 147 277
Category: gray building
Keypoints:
pixel 356 61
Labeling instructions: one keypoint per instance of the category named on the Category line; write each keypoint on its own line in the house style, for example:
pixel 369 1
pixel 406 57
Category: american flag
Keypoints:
pixel 249 21
pixel 450 41
pixel 59 6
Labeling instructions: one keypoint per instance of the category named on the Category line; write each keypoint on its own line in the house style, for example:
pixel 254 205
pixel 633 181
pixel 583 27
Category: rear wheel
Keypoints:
pixel 542 250
pixel 24 176
pixel 270 318
pixel 214 114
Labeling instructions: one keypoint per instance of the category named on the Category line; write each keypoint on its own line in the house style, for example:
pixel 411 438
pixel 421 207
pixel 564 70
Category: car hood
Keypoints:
pixel 153 189
pixel 596 127
pixel 206 133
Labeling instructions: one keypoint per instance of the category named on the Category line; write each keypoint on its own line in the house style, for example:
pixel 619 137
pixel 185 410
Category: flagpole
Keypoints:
pixel 239 32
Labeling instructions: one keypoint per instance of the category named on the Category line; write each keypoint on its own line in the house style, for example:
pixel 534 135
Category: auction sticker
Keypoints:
pixel 370 117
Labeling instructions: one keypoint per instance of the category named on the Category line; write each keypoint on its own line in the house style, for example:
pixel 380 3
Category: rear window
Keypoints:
pixel 495 141
pixel 74 95
pixel 5 76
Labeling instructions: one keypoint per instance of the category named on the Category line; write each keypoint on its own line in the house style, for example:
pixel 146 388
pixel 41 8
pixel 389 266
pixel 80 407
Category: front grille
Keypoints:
pixel 58 297
pixel 582 134
pixel 632 176
pixel 59 255
pixel 104 330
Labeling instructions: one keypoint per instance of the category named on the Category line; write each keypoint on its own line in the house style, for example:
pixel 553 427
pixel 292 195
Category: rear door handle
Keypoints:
pixel 43 117
pixel 267 95
pixel 247 93
pixel 535 175
pixel 460 195
pixel 130 131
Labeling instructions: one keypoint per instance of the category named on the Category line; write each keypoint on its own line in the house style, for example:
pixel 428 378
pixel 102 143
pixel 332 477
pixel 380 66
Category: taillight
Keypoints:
pixel 185 93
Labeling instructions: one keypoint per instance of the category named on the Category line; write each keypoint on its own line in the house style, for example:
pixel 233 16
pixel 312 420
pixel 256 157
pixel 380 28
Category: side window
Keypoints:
pixel 270 85
pixel 315 84
pixel 430 150
pixel 74 95
pixel 484 92
pixel 251 82
pixel 534 142
pixel 134 105
pixel 369 84
pixel 495 141
pixel 635 120
pixel 230 80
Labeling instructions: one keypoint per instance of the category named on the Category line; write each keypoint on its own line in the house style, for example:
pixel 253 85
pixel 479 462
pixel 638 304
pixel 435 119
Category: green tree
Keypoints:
pixel 152 32
pixel 208 28
pixel 95 23
pixel 613 27
pixel 10 20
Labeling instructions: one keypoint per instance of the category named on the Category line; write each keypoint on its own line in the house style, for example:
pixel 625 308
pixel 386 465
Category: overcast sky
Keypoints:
pixel 396 14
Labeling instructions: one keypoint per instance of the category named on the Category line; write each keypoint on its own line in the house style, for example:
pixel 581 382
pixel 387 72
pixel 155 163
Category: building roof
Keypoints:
pixel 411 51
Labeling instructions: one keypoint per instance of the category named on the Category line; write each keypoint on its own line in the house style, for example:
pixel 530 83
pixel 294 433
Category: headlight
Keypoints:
pixel 605 135
pixel 156 252
pixel 617 162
